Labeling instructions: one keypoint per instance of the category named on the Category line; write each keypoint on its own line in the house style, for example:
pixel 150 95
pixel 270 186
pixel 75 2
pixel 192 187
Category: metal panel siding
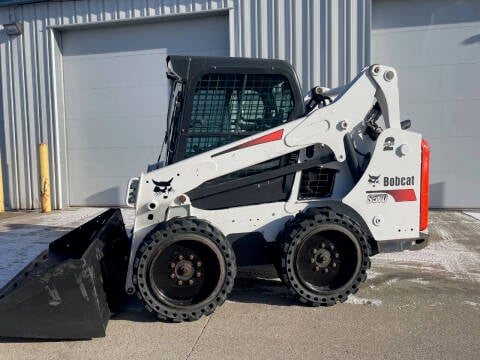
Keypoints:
pixel 324 40
pixel 434 45
pixel 327 41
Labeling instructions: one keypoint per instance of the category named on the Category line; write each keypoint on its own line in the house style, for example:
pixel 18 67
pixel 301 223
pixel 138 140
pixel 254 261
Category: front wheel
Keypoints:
pixel 324 257
pixel 184 269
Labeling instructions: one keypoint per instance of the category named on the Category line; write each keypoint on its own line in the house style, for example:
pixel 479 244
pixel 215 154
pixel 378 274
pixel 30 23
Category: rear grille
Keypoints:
pixel 316 183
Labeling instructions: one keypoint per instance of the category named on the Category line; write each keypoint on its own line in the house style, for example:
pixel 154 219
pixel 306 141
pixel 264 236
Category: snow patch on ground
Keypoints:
pixel 352 299
pixel 475 215
pixel 446 255
pixel 25 235
pixel 419 281
pixel 391 281
pixel 69 218
pixel 471 303
pixel 372 274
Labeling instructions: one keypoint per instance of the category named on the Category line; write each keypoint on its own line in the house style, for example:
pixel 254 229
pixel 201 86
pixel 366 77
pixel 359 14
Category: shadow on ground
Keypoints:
pixel 248 289
pixel 260 287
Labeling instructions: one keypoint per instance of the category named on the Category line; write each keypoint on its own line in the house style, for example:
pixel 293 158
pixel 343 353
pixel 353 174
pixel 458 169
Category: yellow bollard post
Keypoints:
pixel 2 203
pixel 44 178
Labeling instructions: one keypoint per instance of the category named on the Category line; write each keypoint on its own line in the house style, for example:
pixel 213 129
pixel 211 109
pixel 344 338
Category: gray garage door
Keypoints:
pixel 435 45
pixel 116 98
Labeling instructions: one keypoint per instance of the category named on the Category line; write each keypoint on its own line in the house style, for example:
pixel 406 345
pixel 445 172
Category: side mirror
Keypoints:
pixel 405 124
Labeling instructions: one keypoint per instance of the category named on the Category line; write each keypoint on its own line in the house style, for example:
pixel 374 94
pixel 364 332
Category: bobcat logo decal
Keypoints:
pixel 163 187
pixel 372 180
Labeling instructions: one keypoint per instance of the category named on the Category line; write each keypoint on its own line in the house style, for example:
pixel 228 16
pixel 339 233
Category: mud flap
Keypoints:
pixel 70 290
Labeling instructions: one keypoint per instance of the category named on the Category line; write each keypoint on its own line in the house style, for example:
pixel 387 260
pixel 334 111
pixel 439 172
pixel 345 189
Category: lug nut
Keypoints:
pixel 198 274
pixel 172 276
pixel 190 257
pixel 180 257
pixel 199 263
pixel 312 261
pixel 190 282
pixel 180 282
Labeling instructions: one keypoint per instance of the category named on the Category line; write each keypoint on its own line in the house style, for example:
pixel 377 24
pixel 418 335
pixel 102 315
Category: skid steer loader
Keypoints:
pixel 252 173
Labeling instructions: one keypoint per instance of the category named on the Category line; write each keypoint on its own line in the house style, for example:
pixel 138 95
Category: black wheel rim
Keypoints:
pixel 186 273
pixel 328 260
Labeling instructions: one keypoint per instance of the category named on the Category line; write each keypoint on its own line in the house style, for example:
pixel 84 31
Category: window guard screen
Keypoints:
pixel 228 107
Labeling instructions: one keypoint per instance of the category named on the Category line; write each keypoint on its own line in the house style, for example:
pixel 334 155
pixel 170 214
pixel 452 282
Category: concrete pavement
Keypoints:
pixel 420 305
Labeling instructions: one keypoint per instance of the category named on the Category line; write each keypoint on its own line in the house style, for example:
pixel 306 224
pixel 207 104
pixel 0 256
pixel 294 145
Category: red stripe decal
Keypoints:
pixel 398 195
pixel 277 135
pixel 274 136
pixel 402 195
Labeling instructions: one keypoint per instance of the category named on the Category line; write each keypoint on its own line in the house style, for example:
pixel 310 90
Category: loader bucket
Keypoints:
pixel 69 290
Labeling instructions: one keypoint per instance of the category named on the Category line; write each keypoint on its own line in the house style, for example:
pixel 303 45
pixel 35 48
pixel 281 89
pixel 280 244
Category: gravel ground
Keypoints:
pixel 423 305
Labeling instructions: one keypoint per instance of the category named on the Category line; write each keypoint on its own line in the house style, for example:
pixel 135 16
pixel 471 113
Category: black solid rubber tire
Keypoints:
pixel 290 240
pixel 174 230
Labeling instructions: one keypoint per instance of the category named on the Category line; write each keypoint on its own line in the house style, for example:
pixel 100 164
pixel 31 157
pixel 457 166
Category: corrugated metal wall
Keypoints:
pixel 327 41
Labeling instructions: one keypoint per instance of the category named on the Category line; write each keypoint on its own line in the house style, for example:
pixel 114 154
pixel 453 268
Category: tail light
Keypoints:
pixel 424 184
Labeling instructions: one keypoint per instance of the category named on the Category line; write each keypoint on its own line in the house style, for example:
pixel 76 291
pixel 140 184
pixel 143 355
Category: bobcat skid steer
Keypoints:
pixel 252 174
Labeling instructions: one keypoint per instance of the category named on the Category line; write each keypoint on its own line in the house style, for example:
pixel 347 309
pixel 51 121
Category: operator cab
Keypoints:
pixel 217 100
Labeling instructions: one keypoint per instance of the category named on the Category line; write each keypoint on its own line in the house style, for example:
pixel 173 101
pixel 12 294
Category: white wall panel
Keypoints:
pixel 434 45
pixel 116 96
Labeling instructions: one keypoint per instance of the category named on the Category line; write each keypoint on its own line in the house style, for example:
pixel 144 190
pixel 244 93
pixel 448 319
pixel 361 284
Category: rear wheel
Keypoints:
pixel 324 257
pixel 184 269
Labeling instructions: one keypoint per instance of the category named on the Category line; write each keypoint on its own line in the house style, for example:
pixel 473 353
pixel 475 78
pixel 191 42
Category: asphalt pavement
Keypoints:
pixel 414 305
